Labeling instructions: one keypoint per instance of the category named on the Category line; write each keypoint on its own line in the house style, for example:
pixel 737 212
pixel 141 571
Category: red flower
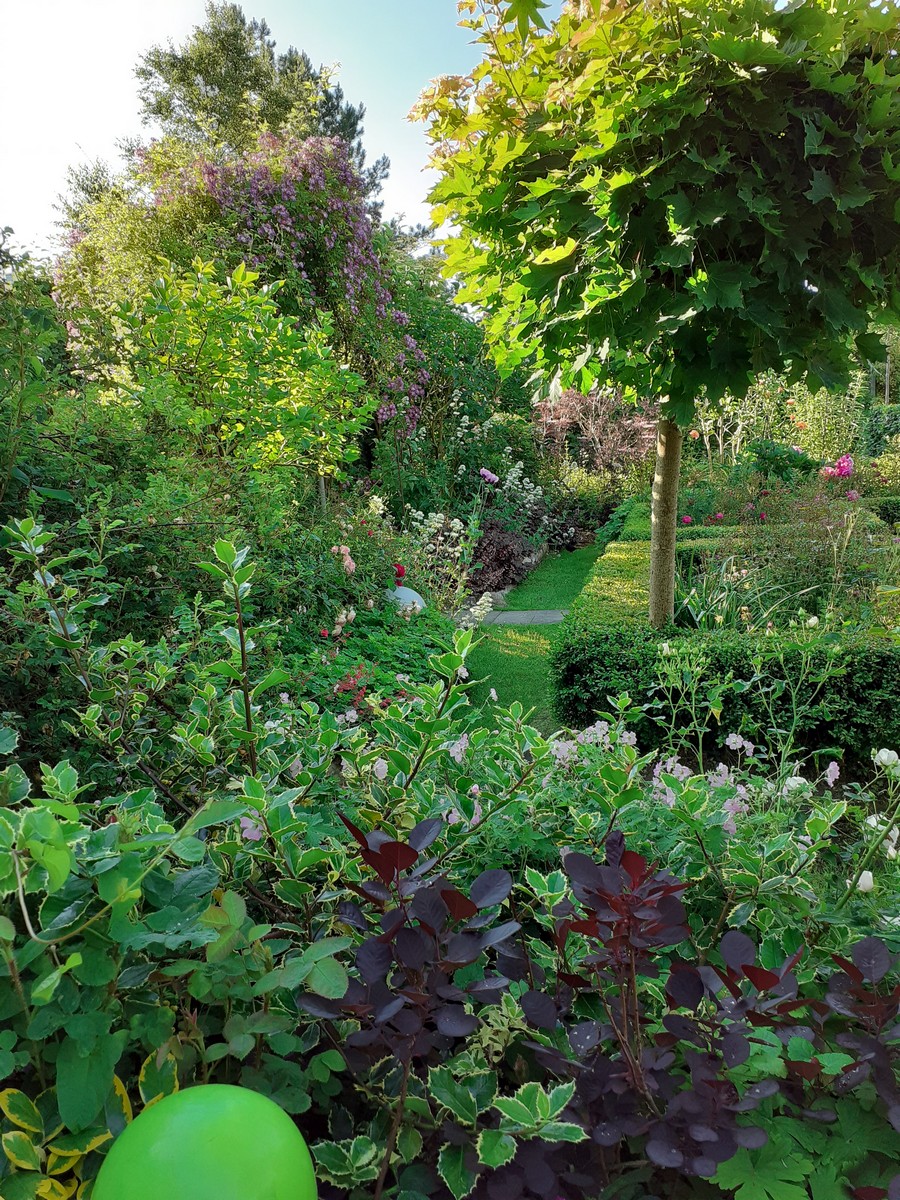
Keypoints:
pixel 323 632
pixel 399 570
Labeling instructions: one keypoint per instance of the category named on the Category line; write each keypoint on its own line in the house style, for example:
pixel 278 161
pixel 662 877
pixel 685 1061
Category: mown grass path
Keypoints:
pixel 512 658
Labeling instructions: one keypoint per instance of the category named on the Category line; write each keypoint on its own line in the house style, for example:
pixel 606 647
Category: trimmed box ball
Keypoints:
pixel 211 1142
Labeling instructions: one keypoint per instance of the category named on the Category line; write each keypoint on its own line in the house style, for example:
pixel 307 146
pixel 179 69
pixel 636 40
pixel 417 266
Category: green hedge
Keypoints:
pixel 886 507
pixel 631 523
pixel 606 647
pixel 617 589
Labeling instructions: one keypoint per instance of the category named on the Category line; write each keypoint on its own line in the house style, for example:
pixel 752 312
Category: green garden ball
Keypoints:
pixel 211 1142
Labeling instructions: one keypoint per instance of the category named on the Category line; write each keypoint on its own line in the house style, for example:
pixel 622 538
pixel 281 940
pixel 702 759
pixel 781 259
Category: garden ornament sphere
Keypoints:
pixel 211 1142
pixel 401 595
pixel 405 597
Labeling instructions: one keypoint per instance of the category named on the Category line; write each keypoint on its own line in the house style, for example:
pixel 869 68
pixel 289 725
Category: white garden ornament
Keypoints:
pixel 403 595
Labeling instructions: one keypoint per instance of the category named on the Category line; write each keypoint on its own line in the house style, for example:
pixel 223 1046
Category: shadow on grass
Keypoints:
pixel 556 582
pixel 512 659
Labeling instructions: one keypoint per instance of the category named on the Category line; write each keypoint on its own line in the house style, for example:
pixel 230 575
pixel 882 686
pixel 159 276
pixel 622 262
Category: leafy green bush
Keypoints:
pixel 583 498
pixel 887 507
pixel 886 468
pixel 786 463
pixel 192 910
pixel 606 647
pixel 882 423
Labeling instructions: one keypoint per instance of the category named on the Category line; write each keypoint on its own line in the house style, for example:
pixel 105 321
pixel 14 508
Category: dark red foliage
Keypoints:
pixel 655 1097
pixel 422 930
pixel 500 558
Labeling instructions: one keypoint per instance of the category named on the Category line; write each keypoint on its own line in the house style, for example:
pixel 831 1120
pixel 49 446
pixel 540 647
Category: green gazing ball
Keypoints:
pixel 211 1142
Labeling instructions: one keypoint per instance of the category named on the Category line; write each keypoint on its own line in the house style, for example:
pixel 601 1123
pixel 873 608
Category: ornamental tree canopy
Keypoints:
pixel 676 197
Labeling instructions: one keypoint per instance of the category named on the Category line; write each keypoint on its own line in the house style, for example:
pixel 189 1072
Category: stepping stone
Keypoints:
pixel 533 616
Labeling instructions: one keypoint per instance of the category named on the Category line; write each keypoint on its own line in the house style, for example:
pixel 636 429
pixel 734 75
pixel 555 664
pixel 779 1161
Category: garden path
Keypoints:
pixel 530 616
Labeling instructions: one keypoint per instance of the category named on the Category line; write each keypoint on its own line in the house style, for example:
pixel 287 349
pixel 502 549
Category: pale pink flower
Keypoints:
pixel 458 749
pixel 251 831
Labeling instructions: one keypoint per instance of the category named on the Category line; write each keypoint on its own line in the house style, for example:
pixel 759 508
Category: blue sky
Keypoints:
pixel 66 79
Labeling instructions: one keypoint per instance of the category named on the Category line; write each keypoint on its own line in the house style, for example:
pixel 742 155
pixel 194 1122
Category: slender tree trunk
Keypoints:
pixel 323 498
pixel 664 514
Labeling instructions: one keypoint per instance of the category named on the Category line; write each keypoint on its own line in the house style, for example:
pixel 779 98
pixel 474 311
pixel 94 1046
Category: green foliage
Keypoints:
pixel 226 82
pixel 605 647
pixel 31 339
pixel 144 947
pixel 222 368
pixel 882 425
pixel 886 468
pixel 667 230
pixel 781 462
pixel 887 508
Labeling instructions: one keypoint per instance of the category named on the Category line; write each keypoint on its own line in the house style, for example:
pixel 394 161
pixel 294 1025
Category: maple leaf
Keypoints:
pixel 766 1174
pixel 525 13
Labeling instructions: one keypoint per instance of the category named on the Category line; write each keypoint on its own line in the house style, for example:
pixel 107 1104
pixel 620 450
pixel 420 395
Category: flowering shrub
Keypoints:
pixel 841 469
pixel 825 548
pixel 443 548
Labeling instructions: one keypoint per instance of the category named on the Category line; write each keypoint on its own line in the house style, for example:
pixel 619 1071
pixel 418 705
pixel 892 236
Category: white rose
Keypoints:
pixel 794 783
pixel 887 758
pixel 866 882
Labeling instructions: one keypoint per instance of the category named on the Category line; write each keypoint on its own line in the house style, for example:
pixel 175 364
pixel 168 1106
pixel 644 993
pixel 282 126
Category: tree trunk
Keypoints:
pixel 323 496
pixel 663 518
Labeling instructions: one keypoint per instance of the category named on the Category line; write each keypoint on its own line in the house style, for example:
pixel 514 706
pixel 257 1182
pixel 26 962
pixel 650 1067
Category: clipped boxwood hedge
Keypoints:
pixel 635 525
pixel 886 507
pixel 606 647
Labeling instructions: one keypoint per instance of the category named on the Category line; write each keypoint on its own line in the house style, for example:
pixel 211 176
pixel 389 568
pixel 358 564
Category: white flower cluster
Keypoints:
pixel 436 531
pixel 517 489
pixel 474 616
pixel 596 735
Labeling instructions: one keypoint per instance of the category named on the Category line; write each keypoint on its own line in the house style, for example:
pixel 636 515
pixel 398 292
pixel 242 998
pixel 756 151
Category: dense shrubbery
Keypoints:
pixel 250 816
pixel 193 909
pixel 882 425
pixel 758 656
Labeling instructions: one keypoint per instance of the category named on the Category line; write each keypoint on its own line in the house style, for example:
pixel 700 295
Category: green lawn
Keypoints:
pixel 557 581
pixel 513 660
